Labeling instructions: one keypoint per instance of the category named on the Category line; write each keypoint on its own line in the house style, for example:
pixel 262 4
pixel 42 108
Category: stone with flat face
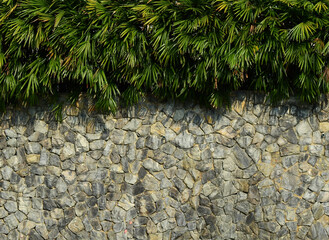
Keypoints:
pixel 184 140
pixel 242 159
pixel 76 225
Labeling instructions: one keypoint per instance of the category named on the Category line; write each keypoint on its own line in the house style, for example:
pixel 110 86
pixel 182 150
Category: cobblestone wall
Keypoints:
pixel 166 171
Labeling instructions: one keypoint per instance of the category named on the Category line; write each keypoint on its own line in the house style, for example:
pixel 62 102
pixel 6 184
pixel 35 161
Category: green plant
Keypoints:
pixel 112 49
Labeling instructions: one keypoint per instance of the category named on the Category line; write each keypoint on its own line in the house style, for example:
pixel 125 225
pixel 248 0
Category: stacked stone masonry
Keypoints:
pixel 166 171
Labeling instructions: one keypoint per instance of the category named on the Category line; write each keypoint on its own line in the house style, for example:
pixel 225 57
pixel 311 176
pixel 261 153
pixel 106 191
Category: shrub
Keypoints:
pixel 204 50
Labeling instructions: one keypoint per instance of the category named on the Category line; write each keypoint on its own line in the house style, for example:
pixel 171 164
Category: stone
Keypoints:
pixel 184 140
pixel 290 149
pixel 290 181
pixel 3 228
pixel 158 129
pixel 317 184
pixel 324 127
pixel 317 210
pixel 131 178
pixel 98 189
pixel 11 221
pixel 151 165
pixel 33 158
pixel 41 126
pixel 3 212
pixel 10 133
pixel 323 197
pixel 81 144
pixel 153 142
pixel 33 148
pixel 318 231
pixel 221 152
pixel 68 151
pixel 97 145
pixel 305 218
pixel 151 183
pixel 133 125
pixel 69 176
pixel 303 128
pixel 76 225
pixel 61 186
pixel 180 219
pixel 243 161
pixel 11 206
pixel 6 172
pixel 35 216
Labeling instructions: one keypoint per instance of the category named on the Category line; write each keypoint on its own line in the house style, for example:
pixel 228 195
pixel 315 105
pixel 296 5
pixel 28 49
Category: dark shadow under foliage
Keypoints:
pixel 121 49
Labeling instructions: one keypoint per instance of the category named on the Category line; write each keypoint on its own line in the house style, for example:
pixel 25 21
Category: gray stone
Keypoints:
pixel 133 125
pixel 289 161
pixel 151 165
pixel 244 141
pixel 6 172
pixel 243 161
pixel 9 152
pixel 303 128
pixel 10 133
pixel 35 216
pixel 11 206
pixel 118 227
pixel 184 140
pixel 44 157
pixel 317 210
pixel 3 228
pixel 33 148
pixel 68 151
pixel 41 126
pixel 220 152
pixel 97 144
pixel 81 144
pixel 3 213
pixel 317 184
pixel 305 218
pixel 153 142
pixel 310 196
pixel 318 231
pixel 151 183
pixel 117 136
pixel 11 221
pixel 179 115
pixel 290 181
pixel 180 219
pixel 61 186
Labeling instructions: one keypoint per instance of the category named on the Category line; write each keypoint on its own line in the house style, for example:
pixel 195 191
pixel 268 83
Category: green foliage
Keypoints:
pixel 112 49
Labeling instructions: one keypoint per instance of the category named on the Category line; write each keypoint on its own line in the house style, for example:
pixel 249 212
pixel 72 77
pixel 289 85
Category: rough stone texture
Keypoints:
pixel 166 171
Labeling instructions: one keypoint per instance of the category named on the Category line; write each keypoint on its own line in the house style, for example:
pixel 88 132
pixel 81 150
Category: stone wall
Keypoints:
pixel 166 171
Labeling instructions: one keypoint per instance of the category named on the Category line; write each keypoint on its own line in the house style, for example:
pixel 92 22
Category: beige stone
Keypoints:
pixel 176 127
pixel 90 127
pixel 151 227
pixel 158 129
pixel 239 106
pixel 243 185
pixel 186 195
pixel 228 132
pixel 76 225
pixel 324 126
pixel 265 168
pixel 33 158
pixel 157 236
pixel 72 110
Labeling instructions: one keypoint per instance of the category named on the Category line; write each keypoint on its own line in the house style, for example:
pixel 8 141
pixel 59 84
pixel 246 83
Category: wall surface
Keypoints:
pixel 166 171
